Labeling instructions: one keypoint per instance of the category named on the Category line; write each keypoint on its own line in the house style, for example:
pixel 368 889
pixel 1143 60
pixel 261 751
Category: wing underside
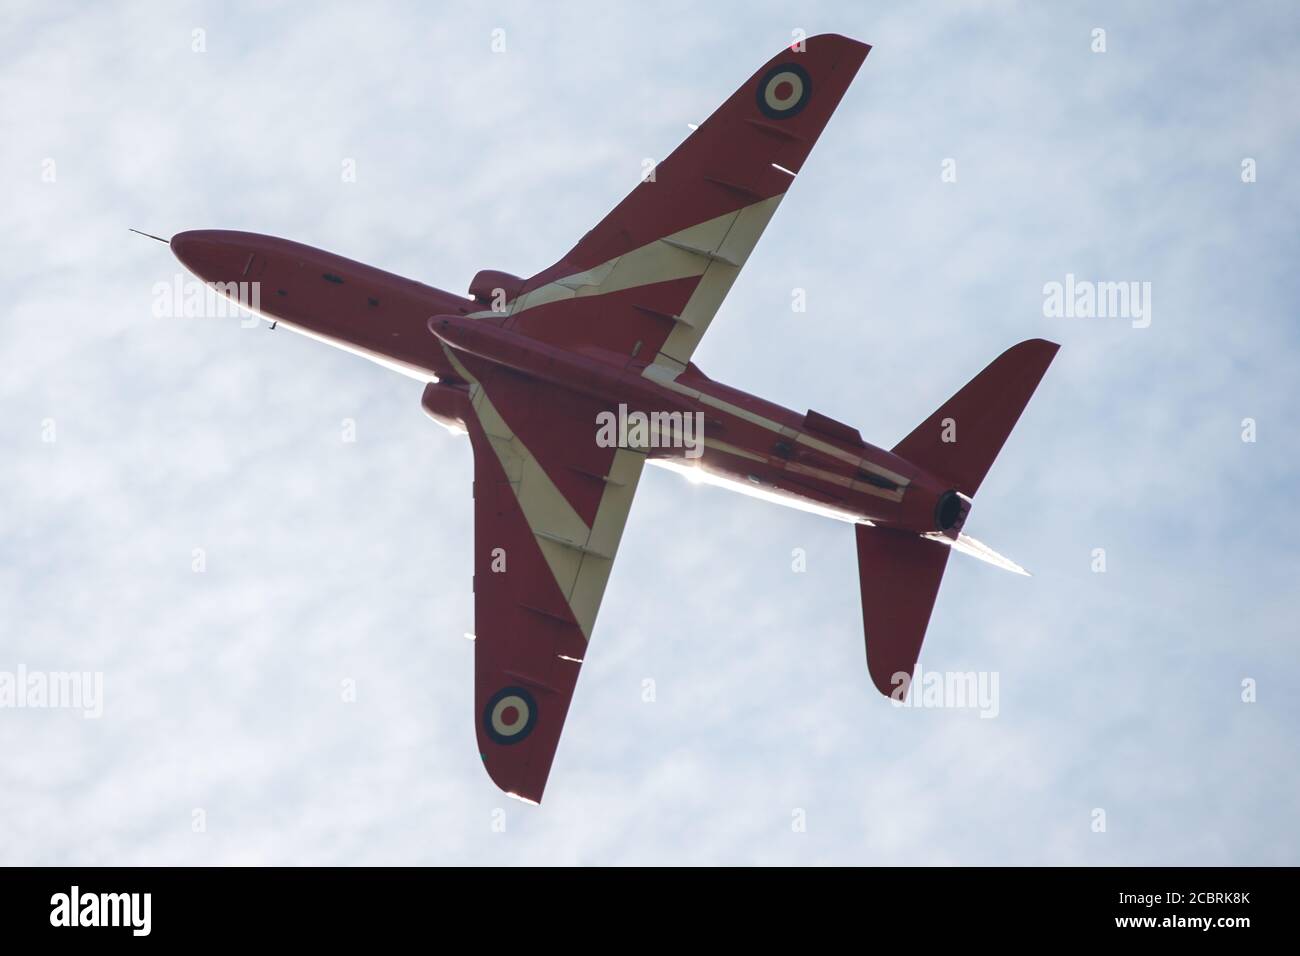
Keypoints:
pixel 647 280
pixel 549 511
pixel 640 289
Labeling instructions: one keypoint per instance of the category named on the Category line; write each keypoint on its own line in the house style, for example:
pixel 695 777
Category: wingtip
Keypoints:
pixel 513 779
pixel 1037 343
pixel 1044 347
pixel 848 44
pixel 840 38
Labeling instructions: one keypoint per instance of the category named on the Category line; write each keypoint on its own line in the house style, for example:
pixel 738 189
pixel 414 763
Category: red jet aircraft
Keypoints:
pixel 535 370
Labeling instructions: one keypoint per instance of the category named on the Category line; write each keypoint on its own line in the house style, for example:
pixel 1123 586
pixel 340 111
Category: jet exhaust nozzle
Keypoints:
pixel 950 512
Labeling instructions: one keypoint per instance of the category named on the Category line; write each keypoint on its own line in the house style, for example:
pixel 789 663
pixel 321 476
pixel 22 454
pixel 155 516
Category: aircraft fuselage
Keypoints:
pixel 753 446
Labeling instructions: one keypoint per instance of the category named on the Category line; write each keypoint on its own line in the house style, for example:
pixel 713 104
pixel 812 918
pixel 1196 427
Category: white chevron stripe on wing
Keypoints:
pixel 580 557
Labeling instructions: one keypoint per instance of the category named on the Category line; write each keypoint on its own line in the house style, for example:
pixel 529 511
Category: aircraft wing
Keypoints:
pixel 549 510
pixel 648 279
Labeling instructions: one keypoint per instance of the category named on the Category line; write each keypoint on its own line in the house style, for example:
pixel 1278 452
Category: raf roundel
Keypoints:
pixel 510 715
pixel 783 91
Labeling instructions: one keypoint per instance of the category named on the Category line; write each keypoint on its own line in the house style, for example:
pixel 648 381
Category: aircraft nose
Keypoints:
pixel 211 254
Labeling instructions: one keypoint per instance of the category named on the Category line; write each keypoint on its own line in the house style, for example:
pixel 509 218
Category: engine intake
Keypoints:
pixel 492 284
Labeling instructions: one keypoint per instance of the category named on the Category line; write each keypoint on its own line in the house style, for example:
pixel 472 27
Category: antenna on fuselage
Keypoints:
pixel 150 235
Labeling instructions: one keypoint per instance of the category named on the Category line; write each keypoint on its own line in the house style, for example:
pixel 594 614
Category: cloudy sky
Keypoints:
pixel 128 441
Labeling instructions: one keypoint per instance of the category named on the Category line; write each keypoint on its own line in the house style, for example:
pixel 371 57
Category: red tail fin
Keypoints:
pixel 900 571
pixel 959 442
pixel 900 574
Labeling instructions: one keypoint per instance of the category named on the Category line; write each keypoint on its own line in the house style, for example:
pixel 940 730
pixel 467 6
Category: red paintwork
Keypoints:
pixel 398 329
pixel 293 291
pixel 489 283
pixel 897 598
pixel 525 633
pixel 726 164
pixel 550 369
